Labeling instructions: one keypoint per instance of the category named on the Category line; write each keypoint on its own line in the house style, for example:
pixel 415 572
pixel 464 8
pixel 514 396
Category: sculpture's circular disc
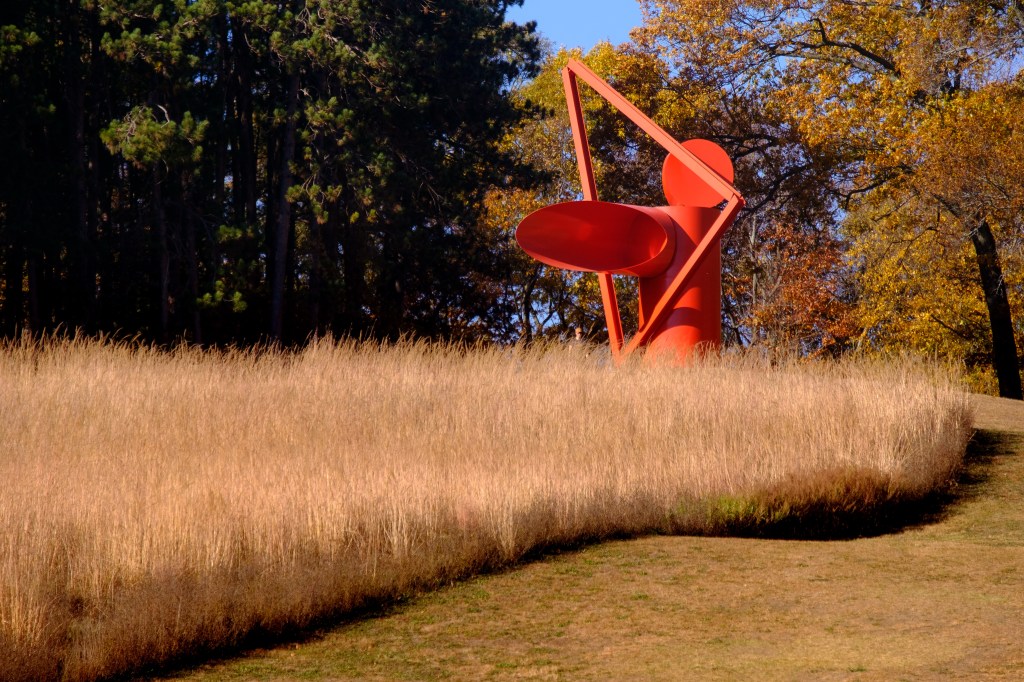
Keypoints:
pixel 683 187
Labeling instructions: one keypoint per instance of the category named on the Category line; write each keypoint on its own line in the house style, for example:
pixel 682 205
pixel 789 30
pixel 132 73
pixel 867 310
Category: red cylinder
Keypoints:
pixel 696 318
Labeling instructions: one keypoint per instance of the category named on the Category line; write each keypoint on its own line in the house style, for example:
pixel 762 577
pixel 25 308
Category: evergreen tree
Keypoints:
pixel 229 171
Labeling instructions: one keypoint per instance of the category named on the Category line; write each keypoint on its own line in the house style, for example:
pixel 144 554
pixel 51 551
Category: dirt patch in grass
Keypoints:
pixel 940 599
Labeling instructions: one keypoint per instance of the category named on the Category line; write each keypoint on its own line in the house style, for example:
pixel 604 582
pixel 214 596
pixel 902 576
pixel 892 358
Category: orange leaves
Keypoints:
pixel 974 150
pixel 798 301
pixel 910 113
pixel 857 76
pixel 870 139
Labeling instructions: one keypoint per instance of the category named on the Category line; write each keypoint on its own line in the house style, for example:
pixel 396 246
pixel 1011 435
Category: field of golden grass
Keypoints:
pixel 937 597
pixel 158 505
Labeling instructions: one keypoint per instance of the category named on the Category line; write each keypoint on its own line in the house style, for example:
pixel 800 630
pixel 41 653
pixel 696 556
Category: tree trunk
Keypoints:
pixel 15 231
pixel 527 305
pixel 390 289
pixel 191 254
pixel 14 273
pixel 164 255
pixel 245 173
pixel 283 219
pixel 83 283
pixel 353 270
pixel 35 316
pixel 1004 347
pixel 318 234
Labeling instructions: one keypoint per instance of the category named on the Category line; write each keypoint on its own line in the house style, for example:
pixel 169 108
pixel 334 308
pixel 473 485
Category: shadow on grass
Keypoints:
pixel 815 520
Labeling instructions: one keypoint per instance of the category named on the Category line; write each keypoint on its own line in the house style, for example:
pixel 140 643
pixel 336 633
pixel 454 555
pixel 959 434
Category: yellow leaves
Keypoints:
pixel 547 88
pixel 853 70
pixel 920 105
pixel 703 16
pixel 917 280
pixel 877 84
pixel 974 148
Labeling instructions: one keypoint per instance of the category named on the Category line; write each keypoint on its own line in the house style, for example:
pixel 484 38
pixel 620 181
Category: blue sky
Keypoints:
pixel 579 23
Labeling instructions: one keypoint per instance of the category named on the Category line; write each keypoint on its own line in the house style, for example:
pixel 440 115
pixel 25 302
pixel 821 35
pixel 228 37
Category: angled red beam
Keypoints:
pixel 579 136
pixel 589 184
pixel 612 316
pixel 702 171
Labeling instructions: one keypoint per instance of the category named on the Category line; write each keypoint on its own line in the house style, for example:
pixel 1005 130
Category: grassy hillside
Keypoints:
pixel 939 600
pixel 158 506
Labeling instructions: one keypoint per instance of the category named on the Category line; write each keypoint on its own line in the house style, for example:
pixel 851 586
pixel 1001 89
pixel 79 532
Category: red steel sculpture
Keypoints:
pixel 674 250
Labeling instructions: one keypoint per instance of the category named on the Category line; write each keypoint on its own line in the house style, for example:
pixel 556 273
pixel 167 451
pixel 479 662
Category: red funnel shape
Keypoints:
pixel 598 236
pixel 683 187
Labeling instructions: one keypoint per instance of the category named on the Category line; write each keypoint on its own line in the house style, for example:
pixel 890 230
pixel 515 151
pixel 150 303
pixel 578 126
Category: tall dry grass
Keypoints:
pixel 155 505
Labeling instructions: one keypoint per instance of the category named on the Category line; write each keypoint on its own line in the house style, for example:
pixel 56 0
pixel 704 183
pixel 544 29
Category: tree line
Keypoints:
pixel 878 145
pixel 229 171
pixel 223 171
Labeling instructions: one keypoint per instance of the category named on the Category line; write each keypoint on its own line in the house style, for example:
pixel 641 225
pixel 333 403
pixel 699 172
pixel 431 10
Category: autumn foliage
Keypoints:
pixel 878 146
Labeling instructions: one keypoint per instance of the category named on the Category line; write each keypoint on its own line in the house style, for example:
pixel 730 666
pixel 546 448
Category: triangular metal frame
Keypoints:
pixel 734 202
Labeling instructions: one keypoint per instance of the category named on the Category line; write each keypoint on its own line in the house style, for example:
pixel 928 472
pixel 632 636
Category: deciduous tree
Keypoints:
pixel 872 95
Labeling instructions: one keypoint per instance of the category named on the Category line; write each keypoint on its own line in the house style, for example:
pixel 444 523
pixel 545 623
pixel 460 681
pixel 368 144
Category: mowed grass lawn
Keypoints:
pixel 942 599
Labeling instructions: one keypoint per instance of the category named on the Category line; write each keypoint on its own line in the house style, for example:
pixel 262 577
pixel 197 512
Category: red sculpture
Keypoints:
pixel 674 250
